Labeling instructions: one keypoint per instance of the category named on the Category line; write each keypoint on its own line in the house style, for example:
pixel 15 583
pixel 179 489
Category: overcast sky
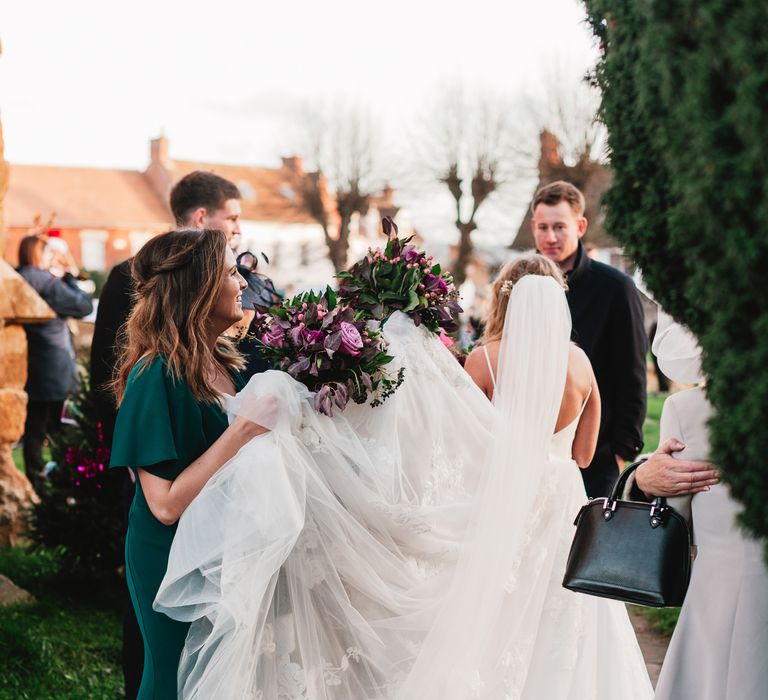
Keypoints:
pixel 90 82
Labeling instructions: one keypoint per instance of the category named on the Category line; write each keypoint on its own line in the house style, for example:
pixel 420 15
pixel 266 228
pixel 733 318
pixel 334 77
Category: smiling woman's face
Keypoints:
pixel 228 308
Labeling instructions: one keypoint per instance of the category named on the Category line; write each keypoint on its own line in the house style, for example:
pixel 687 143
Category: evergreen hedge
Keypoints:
pixel 685 100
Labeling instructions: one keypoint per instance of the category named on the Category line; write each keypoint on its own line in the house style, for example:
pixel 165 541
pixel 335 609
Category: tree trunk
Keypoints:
pixel 464 253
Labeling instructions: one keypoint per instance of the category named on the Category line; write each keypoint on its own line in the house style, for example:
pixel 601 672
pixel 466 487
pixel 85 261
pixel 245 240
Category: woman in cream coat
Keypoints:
pixel 718 649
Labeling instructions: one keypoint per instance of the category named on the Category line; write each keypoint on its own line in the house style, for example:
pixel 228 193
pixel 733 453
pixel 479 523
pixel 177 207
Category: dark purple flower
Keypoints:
pixel 351 340
pixel 323 400
pixel 274 337
pixel 313 337
pixel 341 396
pixel 411 255
pixel 301 365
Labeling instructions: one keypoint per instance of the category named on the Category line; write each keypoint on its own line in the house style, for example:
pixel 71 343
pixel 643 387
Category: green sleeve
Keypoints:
pixel 153 410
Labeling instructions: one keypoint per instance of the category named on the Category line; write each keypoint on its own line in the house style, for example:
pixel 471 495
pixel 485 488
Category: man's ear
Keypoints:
pixel 197 218
pixel 583 223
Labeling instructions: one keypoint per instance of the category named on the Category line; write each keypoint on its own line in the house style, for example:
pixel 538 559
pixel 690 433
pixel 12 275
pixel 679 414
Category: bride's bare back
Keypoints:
pixel 579 379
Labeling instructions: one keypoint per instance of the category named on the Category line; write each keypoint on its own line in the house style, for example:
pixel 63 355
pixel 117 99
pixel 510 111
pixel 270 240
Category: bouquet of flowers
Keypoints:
pixel 327 347
pixel 401 278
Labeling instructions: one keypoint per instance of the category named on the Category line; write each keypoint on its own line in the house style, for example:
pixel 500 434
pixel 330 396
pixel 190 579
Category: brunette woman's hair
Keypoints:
pixel 31 250
pixel 177 276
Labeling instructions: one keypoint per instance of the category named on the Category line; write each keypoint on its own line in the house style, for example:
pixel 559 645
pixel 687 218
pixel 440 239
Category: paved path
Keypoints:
pixel 652 644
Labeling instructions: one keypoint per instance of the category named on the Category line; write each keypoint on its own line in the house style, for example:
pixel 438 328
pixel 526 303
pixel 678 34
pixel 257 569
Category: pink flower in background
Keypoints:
pixel 445 339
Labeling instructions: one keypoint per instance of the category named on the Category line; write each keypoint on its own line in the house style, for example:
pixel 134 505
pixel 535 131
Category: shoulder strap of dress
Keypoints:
pixel 490 368
pixel 586 398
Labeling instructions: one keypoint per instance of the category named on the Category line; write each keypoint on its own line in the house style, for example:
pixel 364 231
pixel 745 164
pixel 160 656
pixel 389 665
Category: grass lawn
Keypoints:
pixel 651 425
pixel 58 648
pixel 663 619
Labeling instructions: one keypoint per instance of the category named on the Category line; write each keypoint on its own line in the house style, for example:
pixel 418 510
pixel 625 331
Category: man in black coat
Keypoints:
pixel 608 325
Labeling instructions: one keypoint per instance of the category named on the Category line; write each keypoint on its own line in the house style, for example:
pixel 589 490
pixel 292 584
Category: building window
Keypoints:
pixel 138 239
pixel 93 249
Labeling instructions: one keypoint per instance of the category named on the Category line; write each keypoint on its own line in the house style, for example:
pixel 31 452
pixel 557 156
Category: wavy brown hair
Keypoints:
pixel 502 286
pixel 178 276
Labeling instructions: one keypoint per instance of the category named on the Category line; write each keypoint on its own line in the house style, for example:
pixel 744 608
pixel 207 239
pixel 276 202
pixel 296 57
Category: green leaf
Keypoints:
pixel 331 295
pixel 436 269
pixel 413 301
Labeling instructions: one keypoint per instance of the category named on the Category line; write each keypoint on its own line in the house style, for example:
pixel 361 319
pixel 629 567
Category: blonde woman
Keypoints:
pixel 508 629
pixel 581 398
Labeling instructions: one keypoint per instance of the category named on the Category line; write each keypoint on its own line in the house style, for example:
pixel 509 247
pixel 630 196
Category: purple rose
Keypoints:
pixel 351 340
pixel 442 287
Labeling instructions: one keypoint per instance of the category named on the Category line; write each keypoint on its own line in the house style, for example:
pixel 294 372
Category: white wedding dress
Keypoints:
pixel 410 551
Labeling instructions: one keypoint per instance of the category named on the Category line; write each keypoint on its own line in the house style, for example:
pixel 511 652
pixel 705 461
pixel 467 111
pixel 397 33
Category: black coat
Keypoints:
pixel 51 369
pixel 115 305
pixel 608 325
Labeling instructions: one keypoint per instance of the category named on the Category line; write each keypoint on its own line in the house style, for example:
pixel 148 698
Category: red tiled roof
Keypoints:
pixel 268 194
pixel 82 198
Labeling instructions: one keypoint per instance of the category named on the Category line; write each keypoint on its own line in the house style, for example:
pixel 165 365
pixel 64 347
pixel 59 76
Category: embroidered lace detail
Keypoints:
pixel 332 674
pixel 310 438
pixel 446 478
pixel 405 516
pixel 291 681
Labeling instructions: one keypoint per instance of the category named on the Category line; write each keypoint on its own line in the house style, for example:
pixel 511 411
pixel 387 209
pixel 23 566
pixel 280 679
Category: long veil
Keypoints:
pixel 482 639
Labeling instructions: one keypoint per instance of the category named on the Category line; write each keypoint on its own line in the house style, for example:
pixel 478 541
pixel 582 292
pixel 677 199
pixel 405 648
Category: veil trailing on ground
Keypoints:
pixel 480 643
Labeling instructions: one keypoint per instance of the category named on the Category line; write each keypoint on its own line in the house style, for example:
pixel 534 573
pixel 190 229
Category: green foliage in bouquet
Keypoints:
pixel 79 510
pixel 401 278
pixel 685 100
pixel 327 347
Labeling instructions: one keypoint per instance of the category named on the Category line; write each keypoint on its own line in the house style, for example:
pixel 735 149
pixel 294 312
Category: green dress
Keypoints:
pixel 160 428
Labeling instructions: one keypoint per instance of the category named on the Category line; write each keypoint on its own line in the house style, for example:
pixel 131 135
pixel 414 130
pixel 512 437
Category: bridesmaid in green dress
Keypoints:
pixel 171 431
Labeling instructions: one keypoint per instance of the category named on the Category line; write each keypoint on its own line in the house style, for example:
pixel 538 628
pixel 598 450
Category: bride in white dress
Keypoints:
pixel 409 551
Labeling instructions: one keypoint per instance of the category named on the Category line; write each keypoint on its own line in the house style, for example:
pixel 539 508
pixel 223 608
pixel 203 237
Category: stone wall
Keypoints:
pixel 18 303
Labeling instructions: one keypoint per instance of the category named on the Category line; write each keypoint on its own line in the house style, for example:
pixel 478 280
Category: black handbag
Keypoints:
pixel 631 551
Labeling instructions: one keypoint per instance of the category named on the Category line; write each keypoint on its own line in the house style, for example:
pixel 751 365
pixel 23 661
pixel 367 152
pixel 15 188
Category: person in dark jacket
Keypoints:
pixel 260 292
pixel 608 325
pixel 52 373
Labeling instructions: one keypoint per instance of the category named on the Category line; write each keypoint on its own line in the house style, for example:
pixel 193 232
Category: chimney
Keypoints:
pixel 158 151
pixel 550 153
pixel 294 165
pixel 159 170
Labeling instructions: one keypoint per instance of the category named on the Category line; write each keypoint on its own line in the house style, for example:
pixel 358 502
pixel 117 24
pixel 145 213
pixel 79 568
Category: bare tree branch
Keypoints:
pixel 342 147
pixel 469 144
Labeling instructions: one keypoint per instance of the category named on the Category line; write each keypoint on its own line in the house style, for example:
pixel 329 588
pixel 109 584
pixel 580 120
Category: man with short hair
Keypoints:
pixel 205 200
pixel 608 325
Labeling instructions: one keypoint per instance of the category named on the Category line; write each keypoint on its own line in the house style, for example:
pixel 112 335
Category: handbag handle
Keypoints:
pixel 658 506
